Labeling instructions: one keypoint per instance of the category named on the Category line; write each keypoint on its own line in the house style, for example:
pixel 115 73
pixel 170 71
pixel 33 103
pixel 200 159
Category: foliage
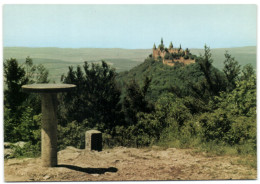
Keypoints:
pixel 72 134
pixel 15 77
pixel 22 110
pixel 247 72
pixel 35 73
pixel 96 97
pixel 135 101
pixel 169 112
pixel 213 81
pixel 164 78
pixel 234 120
pixel 29 150
pixel 202 111
pixel 29 128
pixel 186 106
pixel 231 70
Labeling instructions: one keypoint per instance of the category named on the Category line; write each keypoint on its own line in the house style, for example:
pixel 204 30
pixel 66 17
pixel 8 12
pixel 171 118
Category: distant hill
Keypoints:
pixel 57 60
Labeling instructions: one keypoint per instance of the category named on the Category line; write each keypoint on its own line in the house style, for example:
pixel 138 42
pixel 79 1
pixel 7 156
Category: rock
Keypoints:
pixel 95 174
pixel 10 147
pixel 73 149
pixel 172 149
pixel 8 153
pixel 21 144
pixel 7 145
pixel 46 177
pixel 116 161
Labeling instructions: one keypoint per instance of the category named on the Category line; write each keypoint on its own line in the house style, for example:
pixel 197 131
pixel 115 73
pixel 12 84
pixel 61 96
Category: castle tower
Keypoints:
pixel 154 46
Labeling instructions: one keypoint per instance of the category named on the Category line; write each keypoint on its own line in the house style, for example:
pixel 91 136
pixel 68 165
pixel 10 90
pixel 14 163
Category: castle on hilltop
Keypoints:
pixel 171 56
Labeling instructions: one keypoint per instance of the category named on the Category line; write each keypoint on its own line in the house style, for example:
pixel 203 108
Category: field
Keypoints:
pixel 57 60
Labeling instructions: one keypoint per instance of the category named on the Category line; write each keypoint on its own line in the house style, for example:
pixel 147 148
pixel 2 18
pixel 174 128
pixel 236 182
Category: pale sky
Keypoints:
pixel 129 26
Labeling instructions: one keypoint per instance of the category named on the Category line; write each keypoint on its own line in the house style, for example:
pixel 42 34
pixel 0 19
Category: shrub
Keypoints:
pixel 215 125
pixel 72 134
pixel 170 113
pixel 29 150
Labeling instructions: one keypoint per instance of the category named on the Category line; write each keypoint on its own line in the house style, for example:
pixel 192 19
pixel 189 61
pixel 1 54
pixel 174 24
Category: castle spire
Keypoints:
pixel 161 41
pixel 154 46
pixel 161 46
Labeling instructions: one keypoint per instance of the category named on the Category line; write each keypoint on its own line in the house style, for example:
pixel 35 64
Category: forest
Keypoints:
pixel 185 106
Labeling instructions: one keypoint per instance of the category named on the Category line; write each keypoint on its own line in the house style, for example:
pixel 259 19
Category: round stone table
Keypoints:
pixel 49 118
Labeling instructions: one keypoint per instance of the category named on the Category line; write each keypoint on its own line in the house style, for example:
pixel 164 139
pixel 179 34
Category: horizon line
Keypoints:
pixel 119 48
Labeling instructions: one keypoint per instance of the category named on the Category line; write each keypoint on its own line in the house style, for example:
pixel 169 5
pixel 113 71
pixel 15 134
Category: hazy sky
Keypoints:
pixel 129 26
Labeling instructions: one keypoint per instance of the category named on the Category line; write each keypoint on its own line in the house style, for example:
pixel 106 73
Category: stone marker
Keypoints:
pixel 93 140
pixel 49 118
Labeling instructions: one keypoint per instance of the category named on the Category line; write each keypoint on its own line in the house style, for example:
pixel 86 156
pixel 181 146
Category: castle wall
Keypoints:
pixel 157 53
pixel 174 50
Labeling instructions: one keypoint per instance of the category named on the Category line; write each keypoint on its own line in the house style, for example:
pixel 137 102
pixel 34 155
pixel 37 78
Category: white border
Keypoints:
pixel 120 2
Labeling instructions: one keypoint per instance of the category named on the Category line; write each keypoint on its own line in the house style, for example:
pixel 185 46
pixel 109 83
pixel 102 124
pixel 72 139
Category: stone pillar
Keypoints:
pixel 49 130
pixel 93 140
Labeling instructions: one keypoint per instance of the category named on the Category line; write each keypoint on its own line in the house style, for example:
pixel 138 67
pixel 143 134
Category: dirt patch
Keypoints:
pixel 128 164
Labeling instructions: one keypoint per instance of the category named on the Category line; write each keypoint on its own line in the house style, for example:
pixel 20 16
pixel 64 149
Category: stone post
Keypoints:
pixel 49 118
pixel 93 140
pixel 49 130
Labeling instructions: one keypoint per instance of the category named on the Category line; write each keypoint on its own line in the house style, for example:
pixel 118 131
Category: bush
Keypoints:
pixel 72 134
pixel 170 114
pixel 29 150
pixel 215 126
pixel 29 127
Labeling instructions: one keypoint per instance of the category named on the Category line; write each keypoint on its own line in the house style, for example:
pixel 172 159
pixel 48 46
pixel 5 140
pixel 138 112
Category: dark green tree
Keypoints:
pixel 42 74
pixel 14 78
pixel 247 72
pixel 96 98
pixel 135 101
pixel 20 108
pixel 213 81
pixel 231 70
pixel 30 69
